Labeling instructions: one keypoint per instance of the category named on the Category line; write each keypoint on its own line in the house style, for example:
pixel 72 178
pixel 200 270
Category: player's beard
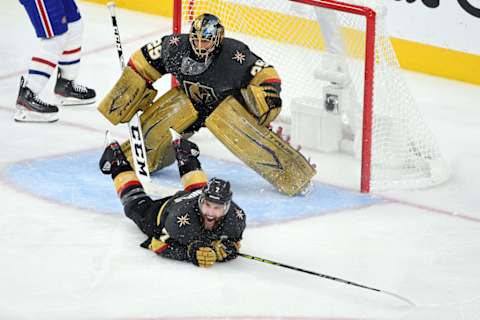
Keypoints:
pixel 209 222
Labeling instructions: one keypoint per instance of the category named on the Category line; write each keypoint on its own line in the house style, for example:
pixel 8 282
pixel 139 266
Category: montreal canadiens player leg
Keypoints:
pixel 59 27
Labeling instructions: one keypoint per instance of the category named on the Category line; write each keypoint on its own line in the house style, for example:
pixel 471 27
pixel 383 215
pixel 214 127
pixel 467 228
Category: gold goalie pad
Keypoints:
pixel 127 96
pixel 172 110
pixel 259 148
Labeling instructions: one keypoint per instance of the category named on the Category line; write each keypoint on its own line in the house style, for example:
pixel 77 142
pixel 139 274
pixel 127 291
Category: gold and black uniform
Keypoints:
pixel 226 88
pixel 174 223
pixel 207 83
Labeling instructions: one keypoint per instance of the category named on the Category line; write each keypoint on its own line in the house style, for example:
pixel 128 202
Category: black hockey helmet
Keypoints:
pixel 206 27
pixel 217 191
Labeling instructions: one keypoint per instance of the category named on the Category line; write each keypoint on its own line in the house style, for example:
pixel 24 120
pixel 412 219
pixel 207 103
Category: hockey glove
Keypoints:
pixel 201 255
pixel 225 250
pixel 113 159
pixel 185 150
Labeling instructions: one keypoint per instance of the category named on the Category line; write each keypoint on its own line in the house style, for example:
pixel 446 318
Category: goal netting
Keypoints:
pixel 337 62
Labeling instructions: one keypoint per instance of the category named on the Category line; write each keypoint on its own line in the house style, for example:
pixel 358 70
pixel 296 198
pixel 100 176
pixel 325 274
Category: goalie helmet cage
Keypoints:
pixel 397 149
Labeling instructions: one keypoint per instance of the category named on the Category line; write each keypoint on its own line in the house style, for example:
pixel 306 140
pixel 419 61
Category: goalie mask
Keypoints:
pixel 214 202
pixel 206 35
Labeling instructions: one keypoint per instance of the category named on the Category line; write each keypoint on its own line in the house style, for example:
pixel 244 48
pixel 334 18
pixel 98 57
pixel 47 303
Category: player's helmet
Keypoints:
pixel 206 27
pixel 217 191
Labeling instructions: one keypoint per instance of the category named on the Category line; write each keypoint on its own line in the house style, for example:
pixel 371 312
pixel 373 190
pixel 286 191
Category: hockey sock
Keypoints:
pixel 70 59
pixel 44 62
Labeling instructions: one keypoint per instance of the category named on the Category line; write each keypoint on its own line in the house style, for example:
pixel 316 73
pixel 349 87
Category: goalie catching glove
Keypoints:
pixel 263 102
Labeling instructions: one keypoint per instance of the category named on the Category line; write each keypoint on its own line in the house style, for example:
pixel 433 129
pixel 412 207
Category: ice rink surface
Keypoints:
pixel 67 252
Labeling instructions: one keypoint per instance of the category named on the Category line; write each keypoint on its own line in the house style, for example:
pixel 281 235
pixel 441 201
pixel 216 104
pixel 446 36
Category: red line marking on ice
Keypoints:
pixel 387 199
pixel 450 213
pixel 432 209
pixel 6 182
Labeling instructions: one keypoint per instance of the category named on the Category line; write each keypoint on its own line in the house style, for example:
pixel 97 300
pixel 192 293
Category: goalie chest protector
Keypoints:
pixel 206 84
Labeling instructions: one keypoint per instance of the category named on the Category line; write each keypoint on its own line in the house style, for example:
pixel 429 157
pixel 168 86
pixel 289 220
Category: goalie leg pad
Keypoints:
pixel 172 110
pixel 262 150
pixel 127 96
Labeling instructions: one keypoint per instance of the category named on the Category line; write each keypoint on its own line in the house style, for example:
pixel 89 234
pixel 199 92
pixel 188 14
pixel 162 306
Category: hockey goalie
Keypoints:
pixel 222 86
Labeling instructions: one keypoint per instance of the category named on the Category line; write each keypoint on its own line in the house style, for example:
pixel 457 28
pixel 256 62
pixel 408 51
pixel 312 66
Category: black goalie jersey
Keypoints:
pixel 206 83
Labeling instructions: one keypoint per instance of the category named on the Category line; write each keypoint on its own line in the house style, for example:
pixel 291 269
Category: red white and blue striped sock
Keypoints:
pixel 43 63
pixel 70 59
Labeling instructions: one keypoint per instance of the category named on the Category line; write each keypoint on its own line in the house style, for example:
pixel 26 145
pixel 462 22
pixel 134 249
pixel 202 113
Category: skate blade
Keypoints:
pixel 75 102
pixel 23 115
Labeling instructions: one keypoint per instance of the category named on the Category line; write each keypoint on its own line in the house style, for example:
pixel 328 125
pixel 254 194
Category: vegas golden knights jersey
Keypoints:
pixel 206 83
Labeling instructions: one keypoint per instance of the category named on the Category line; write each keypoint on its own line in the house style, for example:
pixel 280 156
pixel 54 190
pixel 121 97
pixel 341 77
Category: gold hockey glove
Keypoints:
pixel 263 103
pixel 225 250
pixel 201 255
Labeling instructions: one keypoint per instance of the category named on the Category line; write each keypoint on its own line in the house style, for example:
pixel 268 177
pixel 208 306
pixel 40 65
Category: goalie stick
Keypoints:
pixel 137 143
pixel 351 283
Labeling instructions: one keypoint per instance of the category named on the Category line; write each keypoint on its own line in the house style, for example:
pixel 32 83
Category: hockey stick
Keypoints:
pixel 247 256
pixel 137 143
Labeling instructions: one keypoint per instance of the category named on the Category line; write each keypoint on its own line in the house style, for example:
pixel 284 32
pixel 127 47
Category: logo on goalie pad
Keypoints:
pixel 118 94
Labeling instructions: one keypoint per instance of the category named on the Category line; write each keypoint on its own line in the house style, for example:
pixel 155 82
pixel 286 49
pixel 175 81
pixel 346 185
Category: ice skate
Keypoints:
pixel 70 93
pixel 30 108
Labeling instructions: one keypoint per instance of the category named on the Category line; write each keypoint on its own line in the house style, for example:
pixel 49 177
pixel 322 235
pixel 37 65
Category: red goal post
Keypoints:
pixel 370 17
pixel 186 10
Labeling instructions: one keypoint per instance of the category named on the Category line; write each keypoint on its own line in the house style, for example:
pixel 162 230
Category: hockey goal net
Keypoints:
pixel 335 58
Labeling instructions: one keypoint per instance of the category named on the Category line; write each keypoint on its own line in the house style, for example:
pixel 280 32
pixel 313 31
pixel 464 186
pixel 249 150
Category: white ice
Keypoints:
pixel 61 262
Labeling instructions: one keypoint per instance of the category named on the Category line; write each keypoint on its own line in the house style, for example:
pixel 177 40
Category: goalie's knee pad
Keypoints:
pixel 172 110
pixel 261 149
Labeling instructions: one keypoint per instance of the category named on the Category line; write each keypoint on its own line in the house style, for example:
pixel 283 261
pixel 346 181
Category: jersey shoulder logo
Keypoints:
pixel 239 213
pixel 183 220
pixel 239 57
pixel 174 40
